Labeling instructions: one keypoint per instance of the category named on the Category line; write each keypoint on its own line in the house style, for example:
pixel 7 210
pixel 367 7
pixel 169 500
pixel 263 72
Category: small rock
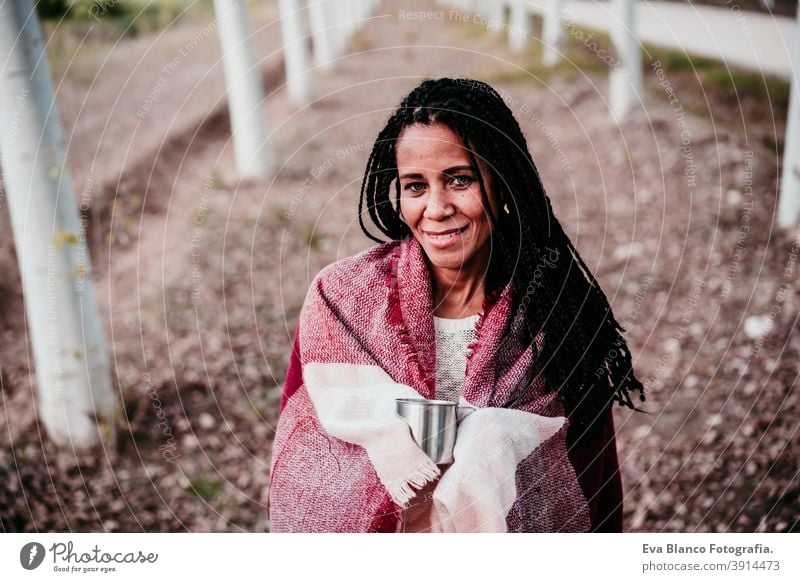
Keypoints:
pixel 696 329
pixel 757 325
pixel 633 249
pixel 206 421
pixel 750 388
pixel 189 441
pixel 734 197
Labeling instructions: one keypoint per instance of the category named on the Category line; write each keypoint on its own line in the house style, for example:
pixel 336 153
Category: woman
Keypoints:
pixel 478 297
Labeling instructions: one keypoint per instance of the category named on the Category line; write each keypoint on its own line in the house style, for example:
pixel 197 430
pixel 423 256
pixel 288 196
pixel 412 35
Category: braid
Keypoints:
pixel 584 356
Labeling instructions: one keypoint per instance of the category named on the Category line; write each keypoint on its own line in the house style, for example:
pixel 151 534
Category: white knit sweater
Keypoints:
pixel 452 338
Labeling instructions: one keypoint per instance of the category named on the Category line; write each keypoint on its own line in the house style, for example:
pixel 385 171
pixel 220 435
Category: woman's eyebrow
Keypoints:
pixel 455 169
pixel 448 172
pixel 412 175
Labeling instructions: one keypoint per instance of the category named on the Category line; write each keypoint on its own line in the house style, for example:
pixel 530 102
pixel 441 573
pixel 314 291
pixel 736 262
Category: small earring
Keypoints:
pixel 505 207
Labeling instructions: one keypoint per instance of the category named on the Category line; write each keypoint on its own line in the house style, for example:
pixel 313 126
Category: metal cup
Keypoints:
pixel 433 425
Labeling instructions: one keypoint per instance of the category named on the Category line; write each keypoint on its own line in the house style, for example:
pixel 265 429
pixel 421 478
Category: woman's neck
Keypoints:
pixel 457 294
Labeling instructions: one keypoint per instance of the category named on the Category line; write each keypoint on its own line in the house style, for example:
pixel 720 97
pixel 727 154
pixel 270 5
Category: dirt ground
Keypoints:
pixel 200 276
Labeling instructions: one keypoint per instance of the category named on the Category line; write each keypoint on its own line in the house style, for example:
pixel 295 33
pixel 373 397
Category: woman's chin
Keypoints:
pixel 450 259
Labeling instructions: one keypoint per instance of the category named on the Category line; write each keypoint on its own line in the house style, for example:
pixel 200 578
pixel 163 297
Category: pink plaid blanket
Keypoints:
pixel 343 462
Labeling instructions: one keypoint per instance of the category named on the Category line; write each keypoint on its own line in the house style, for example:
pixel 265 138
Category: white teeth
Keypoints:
pixel 451 235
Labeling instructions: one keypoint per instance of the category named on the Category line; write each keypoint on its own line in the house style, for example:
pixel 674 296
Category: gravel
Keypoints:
pixel 201 276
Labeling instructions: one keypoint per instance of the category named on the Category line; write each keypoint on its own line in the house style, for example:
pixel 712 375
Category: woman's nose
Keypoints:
pixel 438 205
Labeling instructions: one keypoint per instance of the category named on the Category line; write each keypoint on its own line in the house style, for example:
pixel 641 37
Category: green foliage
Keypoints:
pixel 97 10
pixel 675 61
pixel 215 181
pixel 310 235
pixel 133 17
pixel 715 74
pixel 262 403
pixel 52 9
pixel 582 56
pixel 472 30
pixel 776 91
pixel 774 145
pixel 578 57
pixel 140 18
pixel 205 488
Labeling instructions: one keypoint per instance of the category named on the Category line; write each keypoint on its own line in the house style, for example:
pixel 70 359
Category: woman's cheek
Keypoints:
pixel 411 211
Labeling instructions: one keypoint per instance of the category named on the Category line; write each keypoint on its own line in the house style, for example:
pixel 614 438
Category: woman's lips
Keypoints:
pixel 444 238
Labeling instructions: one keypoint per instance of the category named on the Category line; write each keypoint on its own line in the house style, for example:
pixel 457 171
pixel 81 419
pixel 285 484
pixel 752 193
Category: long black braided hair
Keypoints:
pixel 586 358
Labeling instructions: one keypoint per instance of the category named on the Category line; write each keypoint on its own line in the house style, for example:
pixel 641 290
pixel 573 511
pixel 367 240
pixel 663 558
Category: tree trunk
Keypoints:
pixel 69 347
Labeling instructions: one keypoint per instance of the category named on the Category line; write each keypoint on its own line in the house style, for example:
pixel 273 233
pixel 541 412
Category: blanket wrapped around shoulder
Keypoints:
pixel 342 461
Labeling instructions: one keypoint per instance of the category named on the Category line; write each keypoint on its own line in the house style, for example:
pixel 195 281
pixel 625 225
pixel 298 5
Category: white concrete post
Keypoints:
pixel 69 345
pixel 789 201
pixel 296 54
pixel 520 31
pixel 341 11
pixel 360 14
pixel 499 10
pixel 351 19
pixel 493 10
pixel 553 34
pixel 322 33
pixel 625 82
pixel 245 92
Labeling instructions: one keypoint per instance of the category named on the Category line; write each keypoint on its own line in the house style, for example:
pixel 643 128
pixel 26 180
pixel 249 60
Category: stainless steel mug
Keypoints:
pixel 433 425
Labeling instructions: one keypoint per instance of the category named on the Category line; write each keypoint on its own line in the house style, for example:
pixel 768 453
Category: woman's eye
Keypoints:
pixel 462 181
pixel 414 187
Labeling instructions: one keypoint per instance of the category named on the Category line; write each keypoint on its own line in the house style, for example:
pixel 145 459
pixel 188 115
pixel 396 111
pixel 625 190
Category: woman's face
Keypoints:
pixel 440 198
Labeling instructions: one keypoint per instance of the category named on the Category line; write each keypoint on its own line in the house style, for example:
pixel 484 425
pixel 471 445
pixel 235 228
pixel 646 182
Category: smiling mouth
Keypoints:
pixel 445 234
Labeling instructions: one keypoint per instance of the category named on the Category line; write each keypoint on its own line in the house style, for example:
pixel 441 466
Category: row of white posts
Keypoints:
pixel 75 391
pixel 70 351
pixel 327 24
pixel 625 82
pixel 514 16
